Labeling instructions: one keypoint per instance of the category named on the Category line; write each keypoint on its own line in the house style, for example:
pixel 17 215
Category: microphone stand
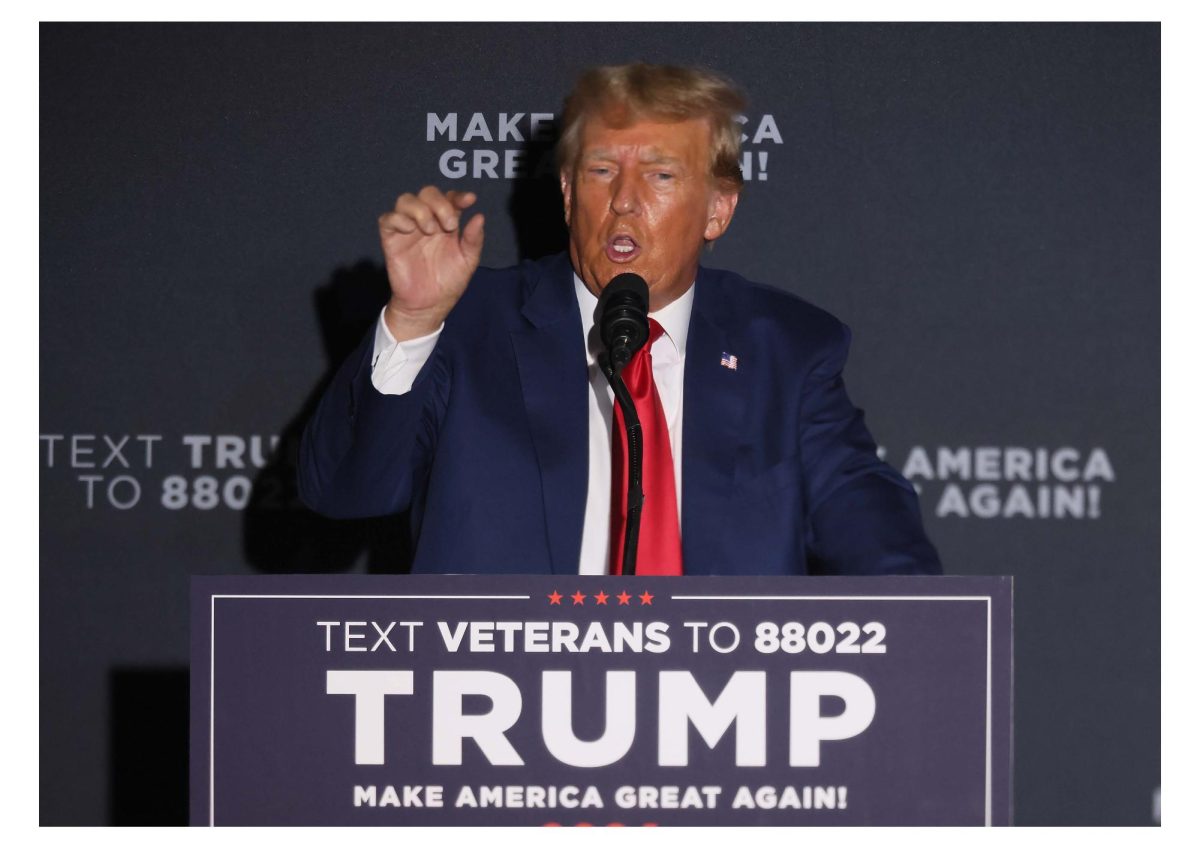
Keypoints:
pixel 633 430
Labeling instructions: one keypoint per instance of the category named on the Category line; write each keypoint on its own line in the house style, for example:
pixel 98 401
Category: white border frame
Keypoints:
pixel 987 780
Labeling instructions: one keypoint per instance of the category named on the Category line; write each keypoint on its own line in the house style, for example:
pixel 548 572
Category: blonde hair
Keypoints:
pixel 623 94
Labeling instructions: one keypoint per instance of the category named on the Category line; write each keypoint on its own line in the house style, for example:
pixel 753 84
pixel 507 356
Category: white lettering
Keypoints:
pixel 743 700
pixel 619 720
pixel 451 726
pixel 477 128
pixel 435 126
pixel 369 688
pixel 508 127
pixel 810 728
pixel 767 131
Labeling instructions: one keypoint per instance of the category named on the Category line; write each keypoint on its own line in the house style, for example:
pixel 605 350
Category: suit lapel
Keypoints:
pixel 553 368
pixel 714 405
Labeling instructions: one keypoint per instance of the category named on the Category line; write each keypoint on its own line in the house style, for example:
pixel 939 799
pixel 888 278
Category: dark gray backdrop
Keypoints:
pixel 980 203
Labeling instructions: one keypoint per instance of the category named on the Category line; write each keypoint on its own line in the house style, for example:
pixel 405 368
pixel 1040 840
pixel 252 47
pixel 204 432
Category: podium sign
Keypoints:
pixel 566 700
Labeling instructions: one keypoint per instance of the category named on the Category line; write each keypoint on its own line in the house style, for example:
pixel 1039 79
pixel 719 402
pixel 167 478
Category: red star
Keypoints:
pixel 555 598
pixel 601 598
pixel 646 598
pixel 578 597
pixel 623 598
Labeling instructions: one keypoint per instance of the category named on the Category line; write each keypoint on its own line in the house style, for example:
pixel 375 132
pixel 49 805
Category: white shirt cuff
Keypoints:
pixel 395 365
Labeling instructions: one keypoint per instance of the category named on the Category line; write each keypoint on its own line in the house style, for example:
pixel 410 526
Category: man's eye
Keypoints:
pixel 663 176
pixel 598 170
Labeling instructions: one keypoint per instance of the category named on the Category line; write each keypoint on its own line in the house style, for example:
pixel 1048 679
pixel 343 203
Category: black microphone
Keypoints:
pixel 624 328
pixel 624 325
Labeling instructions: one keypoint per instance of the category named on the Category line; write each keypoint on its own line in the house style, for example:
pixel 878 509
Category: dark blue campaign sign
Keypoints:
pixel 474 700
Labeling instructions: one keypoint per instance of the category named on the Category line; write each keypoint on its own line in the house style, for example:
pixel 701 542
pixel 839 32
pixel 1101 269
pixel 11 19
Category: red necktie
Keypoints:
pixel 659 550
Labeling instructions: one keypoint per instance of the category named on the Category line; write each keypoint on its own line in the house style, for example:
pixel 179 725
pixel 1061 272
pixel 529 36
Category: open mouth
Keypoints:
pixel 621 248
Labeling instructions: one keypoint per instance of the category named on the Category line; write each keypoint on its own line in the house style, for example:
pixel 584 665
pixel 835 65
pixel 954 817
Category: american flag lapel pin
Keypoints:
pixel 728 360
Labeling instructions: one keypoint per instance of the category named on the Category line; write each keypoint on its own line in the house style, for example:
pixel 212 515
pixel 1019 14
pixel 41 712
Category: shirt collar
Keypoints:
pixel 674 318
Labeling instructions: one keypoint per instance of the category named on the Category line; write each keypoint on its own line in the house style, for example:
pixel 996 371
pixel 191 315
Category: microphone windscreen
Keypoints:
pixel 629 283
pixel 624 328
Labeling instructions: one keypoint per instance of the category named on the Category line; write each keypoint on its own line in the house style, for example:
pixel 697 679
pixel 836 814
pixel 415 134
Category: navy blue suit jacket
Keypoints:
pixel 490 448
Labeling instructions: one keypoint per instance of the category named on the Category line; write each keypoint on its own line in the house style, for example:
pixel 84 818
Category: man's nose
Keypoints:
pixel 625 198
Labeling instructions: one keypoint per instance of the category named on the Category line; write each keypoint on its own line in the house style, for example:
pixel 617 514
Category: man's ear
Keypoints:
pixel 720 212
pixel 564 182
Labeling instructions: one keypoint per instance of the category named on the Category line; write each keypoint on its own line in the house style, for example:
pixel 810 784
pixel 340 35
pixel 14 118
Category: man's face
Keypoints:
pixel 642 200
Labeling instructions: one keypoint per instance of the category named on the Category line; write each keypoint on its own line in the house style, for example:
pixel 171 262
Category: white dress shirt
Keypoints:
pixel 395 366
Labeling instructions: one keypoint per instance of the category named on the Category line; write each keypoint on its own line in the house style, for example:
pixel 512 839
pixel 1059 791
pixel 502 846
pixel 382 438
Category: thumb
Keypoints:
pixel 472 240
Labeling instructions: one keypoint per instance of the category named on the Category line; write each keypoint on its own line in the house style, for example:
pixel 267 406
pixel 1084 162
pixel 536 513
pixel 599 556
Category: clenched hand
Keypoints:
pixel 429 261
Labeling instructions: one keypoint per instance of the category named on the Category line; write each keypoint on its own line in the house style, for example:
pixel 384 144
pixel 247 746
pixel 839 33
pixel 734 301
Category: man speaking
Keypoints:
pixel 479 402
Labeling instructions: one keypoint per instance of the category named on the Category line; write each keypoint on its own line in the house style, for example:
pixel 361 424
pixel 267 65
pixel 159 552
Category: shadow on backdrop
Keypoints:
pixel 535 204
pixel 279 534
pixel 148 746
pixel 282 536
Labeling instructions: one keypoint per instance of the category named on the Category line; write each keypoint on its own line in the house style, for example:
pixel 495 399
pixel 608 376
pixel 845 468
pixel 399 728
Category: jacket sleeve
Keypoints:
pixel 363 452
pixel 863 516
